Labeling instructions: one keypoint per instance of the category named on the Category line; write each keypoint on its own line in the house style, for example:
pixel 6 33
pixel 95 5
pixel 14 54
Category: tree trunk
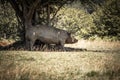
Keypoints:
pixel 48 15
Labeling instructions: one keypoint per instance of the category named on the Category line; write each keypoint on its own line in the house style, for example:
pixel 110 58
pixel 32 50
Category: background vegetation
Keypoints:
pixel 89 19
pixel 8 22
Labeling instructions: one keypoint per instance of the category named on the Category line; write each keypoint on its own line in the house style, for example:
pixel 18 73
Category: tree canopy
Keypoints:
pixel 84 17
pixel 29 9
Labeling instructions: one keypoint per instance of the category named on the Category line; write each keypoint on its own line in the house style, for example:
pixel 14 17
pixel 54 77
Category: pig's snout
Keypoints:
pixel 74 40
pixel 71 41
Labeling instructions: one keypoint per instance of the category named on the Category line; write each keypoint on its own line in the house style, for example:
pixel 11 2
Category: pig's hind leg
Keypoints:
pixel 27 44
pixel 31 44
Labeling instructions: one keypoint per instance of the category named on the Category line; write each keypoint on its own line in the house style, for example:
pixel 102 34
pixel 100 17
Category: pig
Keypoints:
pixel 48 35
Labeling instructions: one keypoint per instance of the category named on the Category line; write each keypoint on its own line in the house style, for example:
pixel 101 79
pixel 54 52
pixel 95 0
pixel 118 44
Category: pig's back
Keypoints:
pixel 47 34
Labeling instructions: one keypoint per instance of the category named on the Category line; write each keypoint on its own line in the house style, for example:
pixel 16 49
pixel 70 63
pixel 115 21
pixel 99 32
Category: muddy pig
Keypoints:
pixel 49 35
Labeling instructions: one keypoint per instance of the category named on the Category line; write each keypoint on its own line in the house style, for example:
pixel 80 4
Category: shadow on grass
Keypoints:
pixel 110 74
pixel 19 45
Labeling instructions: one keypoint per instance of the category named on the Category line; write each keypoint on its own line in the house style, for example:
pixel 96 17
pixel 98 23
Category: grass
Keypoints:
pixel 26 65
pixel 101 61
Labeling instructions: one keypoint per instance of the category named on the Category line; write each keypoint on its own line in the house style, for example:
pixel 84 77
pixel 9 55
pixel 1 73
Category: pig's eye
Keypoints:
pixel 33 33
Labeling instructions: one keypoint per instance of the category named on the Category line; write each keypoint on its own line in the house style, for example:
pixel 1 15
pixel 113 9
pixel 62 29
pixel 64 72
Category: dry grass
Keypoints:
pixel 24 65
pixel 83 65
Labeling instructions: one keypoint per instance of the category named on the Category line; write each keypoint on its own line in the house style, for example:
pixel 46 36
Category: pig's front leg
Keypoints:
pixel 62 45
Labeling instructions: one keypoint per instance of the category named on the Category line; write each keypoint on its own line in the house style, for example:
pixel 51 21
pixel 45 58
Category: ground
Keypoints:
pixel 94 60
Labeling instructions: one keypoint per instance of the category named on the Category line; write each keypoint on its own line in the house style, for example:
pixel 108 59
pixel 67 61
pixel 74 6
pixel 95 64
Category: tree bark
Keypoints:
pixel 48 15
pixel 17 9
pixel 28 14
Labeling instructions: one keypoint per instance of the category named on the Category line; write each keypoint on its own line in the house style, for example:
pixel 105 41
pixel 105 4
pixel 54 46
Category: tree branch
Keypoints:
pixel 57 12
pixel 31 10
pixel 16 8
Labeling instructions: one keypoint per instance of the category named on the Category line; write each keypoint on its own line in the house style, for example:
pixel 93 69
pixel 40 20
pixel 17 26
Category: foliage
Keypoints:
pixel 107 20
pixel 74 18
pixel 31 12
pixel 8 22
pixel 103 22
pixel 88 19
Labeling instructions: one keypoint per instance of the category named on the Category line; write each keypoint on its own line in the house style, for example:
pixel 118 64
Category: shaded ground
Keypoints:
pixel 82 45
pixel 37 47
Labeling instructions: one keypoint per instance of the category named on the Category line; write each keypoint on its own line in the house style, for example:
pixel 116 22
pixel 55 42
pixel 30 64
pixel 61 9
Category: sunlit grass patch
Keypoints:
pixel 97 45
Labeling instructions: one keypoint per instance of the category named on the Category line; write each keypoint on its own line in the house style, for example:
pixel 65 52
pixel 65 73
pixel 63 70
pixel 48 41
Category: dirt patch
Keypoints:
pixel 4 44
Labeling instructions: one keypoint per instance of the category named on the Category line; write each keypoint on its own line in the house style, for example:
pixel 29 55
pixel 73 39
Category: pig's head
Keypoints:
pixel 70 39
